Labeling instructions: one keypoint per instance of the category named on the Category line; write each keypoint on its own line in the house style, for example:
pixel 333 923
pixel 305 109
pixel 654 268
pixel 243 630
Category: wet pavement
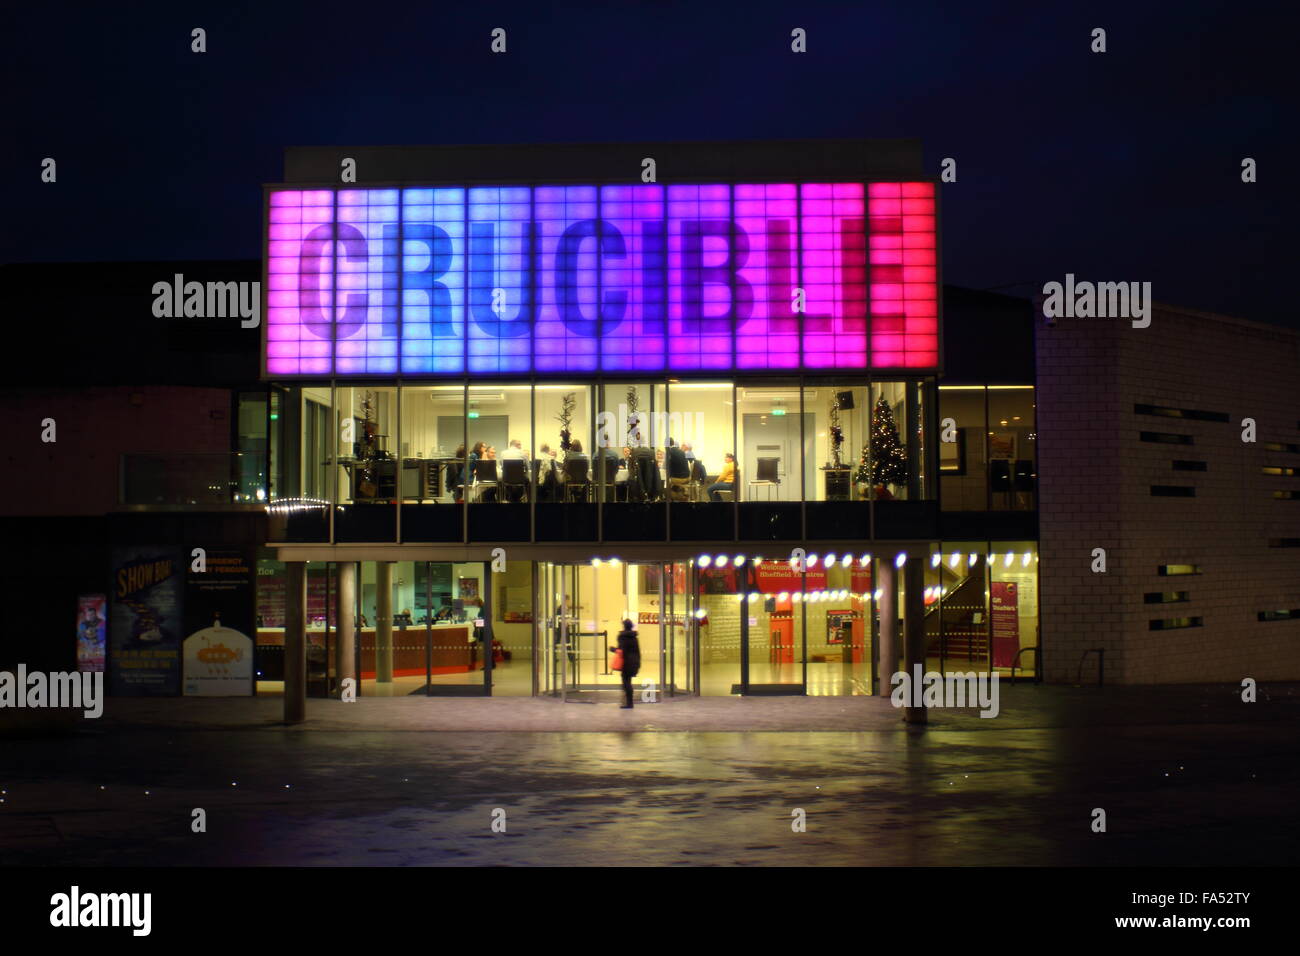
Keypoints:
pixel 1187 776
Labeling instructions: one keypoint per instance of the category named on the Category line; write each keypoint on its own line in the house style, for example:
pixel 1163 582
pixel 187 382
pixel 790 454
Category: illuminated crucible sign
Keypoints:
pixel 557 279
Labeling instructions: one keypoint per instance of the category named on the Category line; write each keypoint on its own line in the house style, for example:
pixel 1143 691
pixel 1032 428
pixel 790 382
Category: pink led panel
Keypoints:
pixel 903 291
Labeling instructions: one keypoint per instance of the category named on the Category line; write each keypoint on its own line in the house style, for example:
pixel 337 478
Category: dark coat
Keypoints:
pixel 631 648
pixel 678 467
pixel 644 475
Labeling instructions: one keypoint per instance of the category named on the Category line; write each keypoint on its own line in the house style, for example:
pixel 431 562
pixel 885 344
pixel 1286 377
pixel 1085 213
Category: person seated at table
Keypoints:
pixel 456 469
pixel 515 450
pixel 688 451
pixel 679 472
pixel 678 467
pixel 467 473
pixel 547 474
pixel 476 454
pixel 606 450
pixel 727 480
pixel 489 489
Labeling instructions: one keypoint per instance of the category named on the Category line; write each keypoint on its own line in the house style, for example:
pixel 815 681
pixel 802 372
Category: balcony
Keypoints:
pixel 199 481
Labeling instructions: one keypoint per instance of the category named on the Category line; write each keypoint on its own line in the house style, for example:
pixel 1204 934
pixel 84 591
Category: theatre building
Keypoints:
pixel 518 394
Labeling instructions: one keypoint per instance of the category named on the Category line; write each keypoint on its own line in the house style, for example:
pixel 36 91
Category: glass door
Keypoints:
pixel 581 612
pixel 557 626
pixel 452 605
pixel 677 617
pixel 774 625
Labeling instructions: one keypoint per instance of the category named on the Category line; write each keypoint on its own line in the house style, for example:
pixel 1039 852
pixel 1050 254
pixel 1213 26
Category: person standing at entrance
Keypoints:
pixel 631 648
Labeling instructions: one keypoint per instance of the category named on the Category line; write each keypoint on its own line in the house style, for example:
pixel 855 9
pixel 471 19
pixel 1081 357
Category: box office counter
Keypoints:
pixel 453 649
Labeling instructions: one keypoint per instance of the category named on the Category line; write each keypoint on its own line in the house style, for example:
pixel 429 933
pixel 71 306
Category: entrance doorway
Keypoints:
pixel 581 608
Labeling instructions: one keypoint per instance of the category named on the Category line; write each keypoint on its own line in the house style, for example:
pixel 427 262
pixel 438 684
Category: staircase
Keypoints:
pixel 960 639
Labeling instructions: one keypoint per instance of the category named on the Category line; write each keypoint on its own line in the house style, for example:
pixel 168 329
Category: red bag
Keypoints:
pixel 617 663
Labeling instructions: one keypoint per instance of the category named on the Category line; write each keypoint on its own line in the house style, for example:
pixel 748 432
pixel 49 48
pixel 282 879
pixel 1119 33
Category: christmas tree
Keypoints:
pixel 888 456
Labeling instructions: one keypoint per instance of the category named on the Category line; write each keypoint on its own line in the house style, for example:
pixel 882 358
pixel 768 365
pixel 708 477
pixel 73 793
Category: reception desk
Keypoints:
pixel 452 650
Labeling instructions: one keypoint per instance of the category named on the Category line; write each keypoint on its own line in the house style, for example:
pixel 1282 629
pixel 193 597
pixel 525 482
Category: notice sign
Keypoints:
pixel 1006 623
pixel 92 631
pixel 218 653
pixel 777 576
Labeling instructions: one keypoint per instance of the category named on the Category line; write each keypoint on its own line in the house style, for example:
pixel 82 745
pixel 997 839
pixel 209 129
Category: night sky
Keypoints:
pixel 1122 166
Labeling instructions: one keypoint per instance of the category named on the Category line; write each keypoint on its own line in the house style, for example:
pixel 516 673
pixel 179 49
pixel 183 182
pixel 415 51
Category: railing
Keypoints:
pixel 193 480
pixel 1015 662
pixel 1101 665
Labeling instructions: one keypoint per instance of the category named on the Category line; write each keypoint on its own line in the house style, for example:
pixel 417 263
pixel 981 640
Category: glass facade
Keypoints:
pixel 988 458
pixel 767 466
pixel 666 460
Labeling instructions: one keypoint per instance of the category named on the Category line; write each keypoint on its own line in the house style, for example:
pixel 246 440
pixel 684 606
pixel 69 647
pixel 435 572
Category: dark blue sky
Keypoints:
pixel 1115 166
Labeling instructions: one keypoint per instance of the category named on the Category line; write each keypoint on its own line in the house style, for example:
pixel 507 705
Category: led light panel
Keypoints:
pixel 559 279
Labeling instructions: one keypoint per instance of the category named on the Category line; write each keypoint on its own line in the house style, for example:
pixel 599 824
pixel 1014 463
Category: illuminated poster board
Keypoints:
pixel 92 631
pixel 1006 622
pixel 455 281
pixel 145 621
pixel 217 652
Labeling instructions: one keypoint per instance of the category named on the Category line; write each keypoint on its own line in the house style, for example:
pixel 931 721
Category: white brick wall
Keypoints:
pixel 1095 477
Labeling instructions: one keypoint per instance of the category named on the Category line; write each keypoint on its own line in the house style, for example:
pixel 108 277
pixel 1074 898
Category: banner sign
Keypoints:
pixel 558 279
pixel 1006 622
pixel 777 576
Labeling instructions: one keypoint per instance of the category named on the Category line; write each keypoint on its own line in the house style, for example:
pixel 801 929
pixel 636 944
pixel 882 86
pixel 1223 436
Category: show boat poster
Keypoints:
pixel 145 622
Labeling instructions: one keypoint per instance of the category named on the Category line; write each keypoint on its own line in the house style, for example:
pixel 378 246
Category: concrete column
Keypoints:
pixel 384 622
pixel 914 628
pixel 888 637
pixel 345 648
pixel 295 642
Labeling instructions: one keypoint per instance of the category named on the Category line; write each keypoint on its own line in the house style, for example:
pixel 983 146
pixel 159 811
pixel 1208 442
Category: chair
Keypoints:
pixel 485 476
pixel 612 465
pixel 577 477
pixel 645 469
pixel 699 480
pixel 514 477
pixel 769 476
pixel 548 487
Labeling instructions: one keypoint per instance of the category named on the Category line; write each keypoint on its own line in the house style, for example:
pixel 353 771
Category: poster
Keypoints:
pixel 271 584
pixel 270 593
pixel 92 631
pixel 468 588
pixel 1006 622
pixel 144 624
pixel 219 619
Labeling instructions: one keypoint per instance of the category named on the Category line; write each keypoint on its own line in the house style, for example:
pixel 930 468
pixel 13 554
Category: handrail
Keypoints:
pixel 1015 662
pixel 1101 665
